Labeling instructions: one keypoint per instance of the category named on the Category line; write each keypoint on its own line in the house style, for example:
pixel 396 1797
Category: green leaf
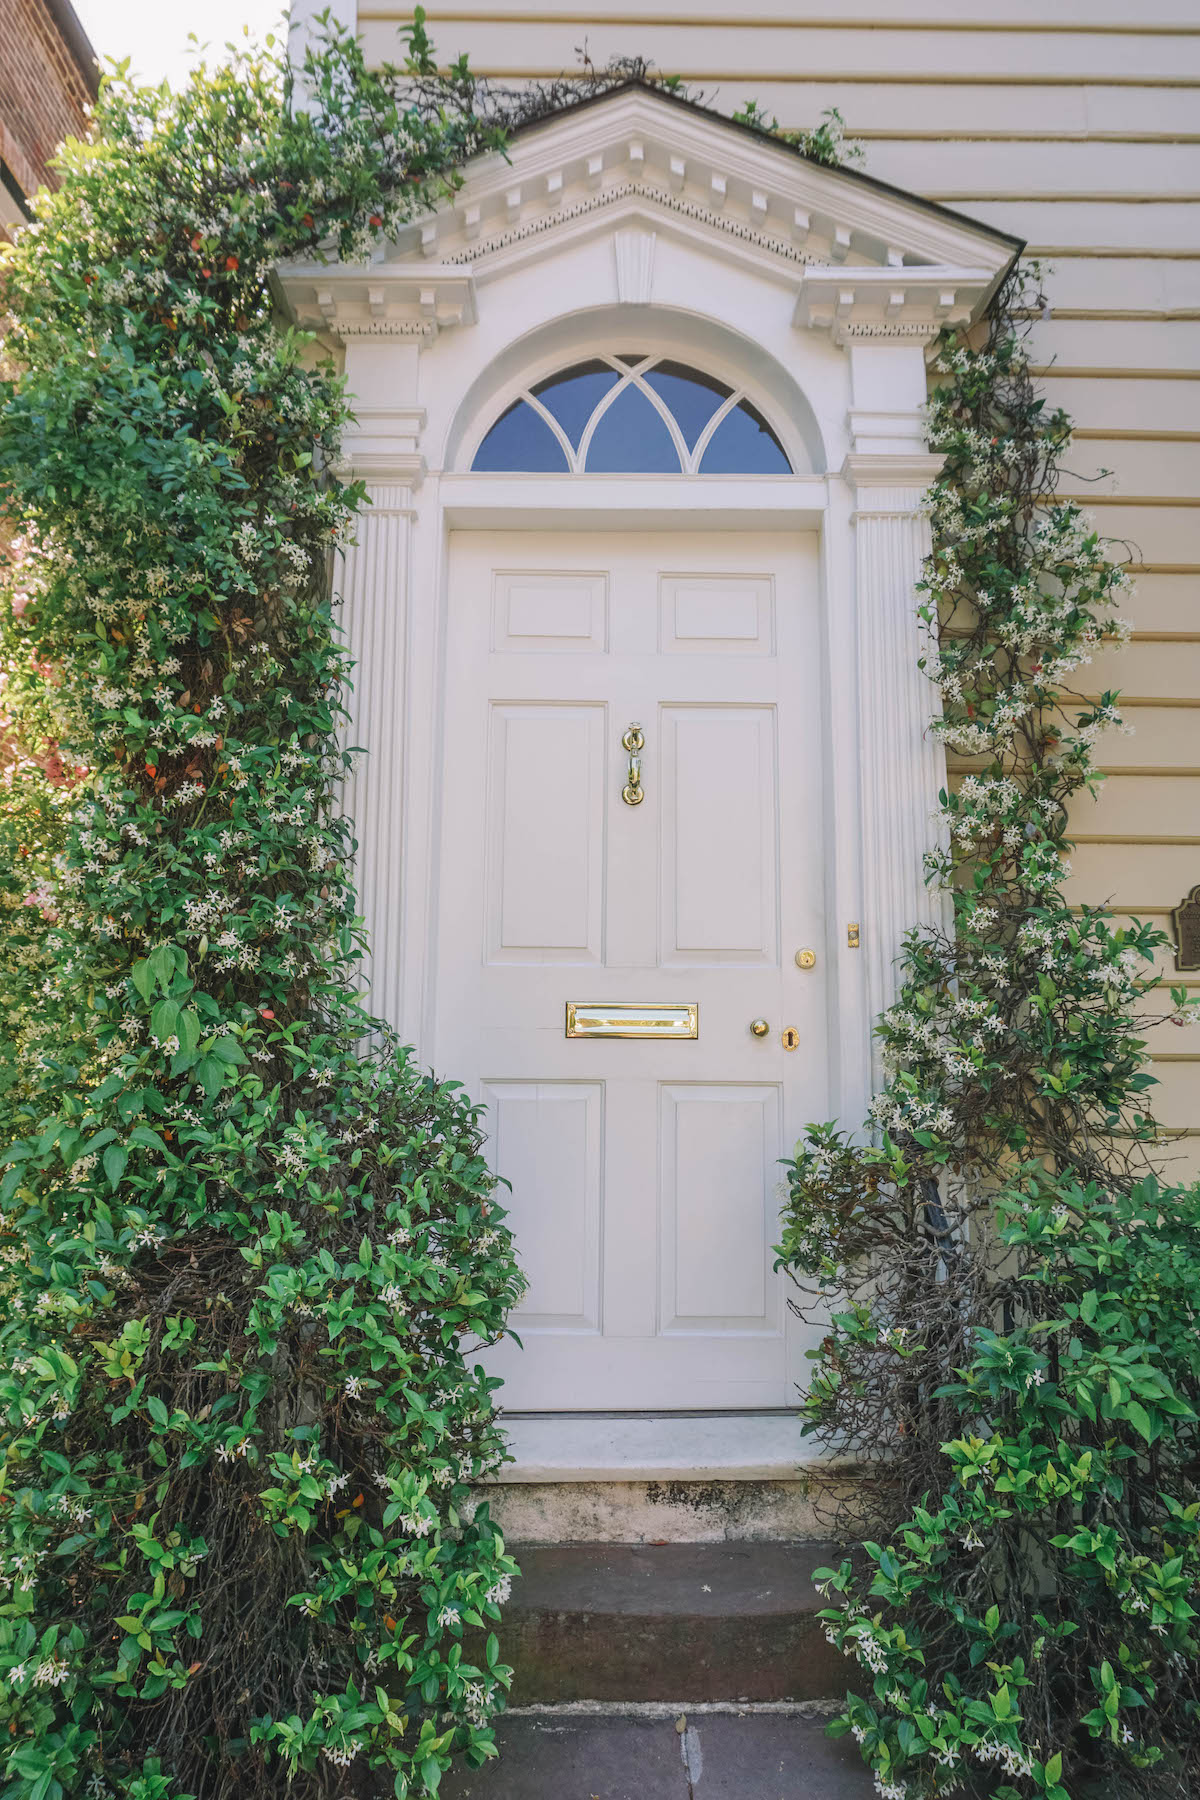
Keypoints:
pixel 210 1073
pixel 115 1159
pixel 164 1019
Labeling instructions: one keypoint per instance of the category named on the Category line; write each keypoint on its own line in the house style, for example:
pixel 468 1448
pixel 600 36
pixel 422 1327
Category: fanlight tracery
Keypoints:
pixel 631 415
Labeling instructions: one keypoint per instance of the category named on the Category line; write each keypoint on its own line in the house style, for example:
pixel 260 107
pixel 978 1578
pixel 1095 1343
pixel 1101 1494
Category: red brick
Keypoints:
pixel 43 92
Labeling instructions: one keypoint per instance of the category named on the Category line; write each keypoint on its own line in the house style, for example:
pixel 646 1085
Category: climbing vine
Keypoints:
pixel 245 1256
pixel 1011 1293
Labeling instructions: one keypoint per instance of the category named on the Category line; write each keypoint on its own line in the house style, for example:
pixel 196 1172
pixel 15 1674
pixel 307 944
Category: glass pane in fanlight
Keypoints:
pixel 520 440
pixel 744 444
pixel 631 439
pixel 692 398
pixel 574 394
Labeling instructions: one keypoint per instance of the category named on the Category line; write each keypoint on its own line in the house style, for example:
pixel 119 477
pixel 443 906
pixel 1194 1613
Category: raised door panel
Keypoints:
pixel 546 610
pixel 547 1140
pixel 718 1149
pixel 720 854
pixel 727 615
pixel 544 889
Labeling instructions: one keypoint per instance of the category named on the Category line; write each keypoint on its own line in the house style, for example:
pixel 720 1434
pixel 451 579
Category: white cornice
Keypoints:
pixel 637 137
pixel 890 302
pixel 376 299
pixel 865 261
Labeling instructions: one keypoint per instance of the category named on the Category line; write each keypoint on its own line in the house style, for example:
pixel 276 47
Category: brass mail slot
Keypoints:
pixel 621 1019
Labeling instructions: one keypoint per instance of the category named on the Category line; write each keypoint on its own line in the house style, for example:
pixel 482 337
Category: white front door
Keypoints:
pixel 645 1174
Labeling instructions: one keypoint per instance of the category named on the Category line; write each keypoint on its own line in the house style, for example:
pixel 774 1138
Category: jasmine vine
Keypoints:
pixel 1011 1292
pixel 246 1259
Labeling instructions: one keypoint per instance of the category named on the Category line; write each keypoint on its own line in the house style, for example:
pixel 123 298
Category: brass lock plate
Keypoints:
pixel 790 1038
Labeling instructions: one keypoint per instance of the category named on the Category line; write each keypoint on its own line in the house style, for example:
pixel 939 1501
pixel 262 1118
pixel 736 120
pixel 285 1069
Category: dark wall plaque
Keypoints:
pixel 1185 922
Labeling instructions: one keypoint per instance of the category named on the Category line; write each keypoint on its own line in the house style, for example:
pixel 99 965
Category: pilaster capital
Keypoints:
pixel 391 482
pixel 890 486
pixel 382 444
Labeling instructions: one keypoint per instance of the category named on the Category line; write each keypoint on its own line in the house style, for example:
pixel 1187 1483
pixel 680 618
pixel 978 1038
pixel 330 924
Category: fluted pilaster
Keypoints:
pixel 374 590
pixel 903 763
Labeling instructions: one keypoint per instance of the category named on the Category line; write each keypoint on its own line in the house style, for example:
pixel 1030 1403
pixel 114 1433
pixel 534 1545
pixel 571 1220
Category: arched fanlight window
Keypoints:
pixel 632 415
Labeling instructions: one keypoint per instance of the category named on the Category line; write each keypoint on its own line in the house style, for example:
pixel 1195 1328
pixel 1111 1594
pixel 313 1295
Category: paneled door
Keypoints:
pixel 645 1173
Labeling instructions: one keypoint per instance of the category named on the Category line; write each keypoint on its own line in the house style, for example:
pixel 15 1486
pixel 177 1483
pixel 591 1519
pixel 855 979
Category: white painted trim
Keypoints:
pixel 728 1446
pixel 633 502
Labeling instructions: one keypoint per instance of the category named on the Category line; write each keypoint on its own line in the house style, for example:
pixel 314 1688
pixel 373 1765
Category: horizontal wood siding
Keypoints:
pixel 1077 127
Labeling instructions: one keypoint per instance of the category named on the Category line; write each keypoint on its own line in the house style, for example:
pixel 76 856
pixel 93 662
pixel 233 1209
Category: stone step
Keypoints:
pixel 646 1622
pixel 702 1755
pixel 631 1478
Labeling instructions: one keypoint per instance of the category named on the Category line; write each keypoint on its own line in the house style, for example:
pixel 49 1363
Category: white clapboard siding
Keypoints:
pixel 1164 603
pixel 1160 737
pixel 928 111
pixel 532 42
pixel 1056 227
pixel 1075 126
pixel 1172 345
pixel 1022 168
pixel 1158 470
pixel 1117 285
pixel 1119 810
pixel 1104 405
pixel 1025 16
pixel 1154 671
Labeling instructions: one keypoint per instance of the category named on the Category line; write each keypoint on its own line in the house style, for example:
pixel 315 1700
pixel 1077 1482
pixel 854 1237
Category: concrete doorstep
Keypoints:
pixel 706 1753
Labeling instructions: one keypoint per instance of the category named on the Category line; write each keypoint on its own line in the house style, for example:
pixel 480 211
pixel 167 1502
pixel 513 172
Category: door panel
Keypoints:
pixel 536 610
pixel 545 892
pixel 731 615
pixel 720 1151
pixel 548 1138
pixel 719 863
pixel 645 1174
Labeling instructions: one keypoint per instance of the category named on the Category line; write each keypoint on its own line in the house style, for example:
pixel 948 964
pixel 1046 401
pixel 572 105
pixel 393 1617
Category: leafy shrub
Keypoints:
pixel 1013 1294
pixel 245 1254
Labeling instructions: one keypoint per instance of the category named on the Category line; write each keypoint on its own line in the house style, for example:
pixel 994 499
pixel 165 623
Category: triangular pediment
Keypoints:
pixel 865 259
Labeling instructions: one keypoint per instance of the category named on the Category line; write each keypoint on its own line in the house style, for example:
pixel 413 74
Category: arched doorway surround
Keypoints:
pixel 639 229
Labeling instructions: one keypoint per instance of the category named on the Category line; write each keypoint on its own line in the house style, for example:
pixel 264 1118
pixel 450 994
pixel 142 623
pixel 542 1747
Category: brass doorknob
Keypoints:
pixel 759 1027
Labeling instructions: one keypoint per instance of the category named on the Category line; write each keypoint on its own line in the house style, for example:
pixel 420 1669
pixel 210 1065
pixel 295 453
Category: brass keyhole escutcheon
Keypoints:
pixel 790 1039
pixel 806 959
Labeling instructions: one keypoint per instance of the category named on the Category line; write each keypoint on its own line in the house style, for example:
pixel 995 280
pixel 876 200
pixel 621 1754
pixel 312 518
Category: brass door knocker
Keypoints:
pixel 632 793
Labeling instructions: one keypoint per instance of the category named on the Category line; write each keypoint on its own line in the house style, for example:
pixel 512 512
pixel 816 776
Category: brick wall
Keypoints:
pixel 43 90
